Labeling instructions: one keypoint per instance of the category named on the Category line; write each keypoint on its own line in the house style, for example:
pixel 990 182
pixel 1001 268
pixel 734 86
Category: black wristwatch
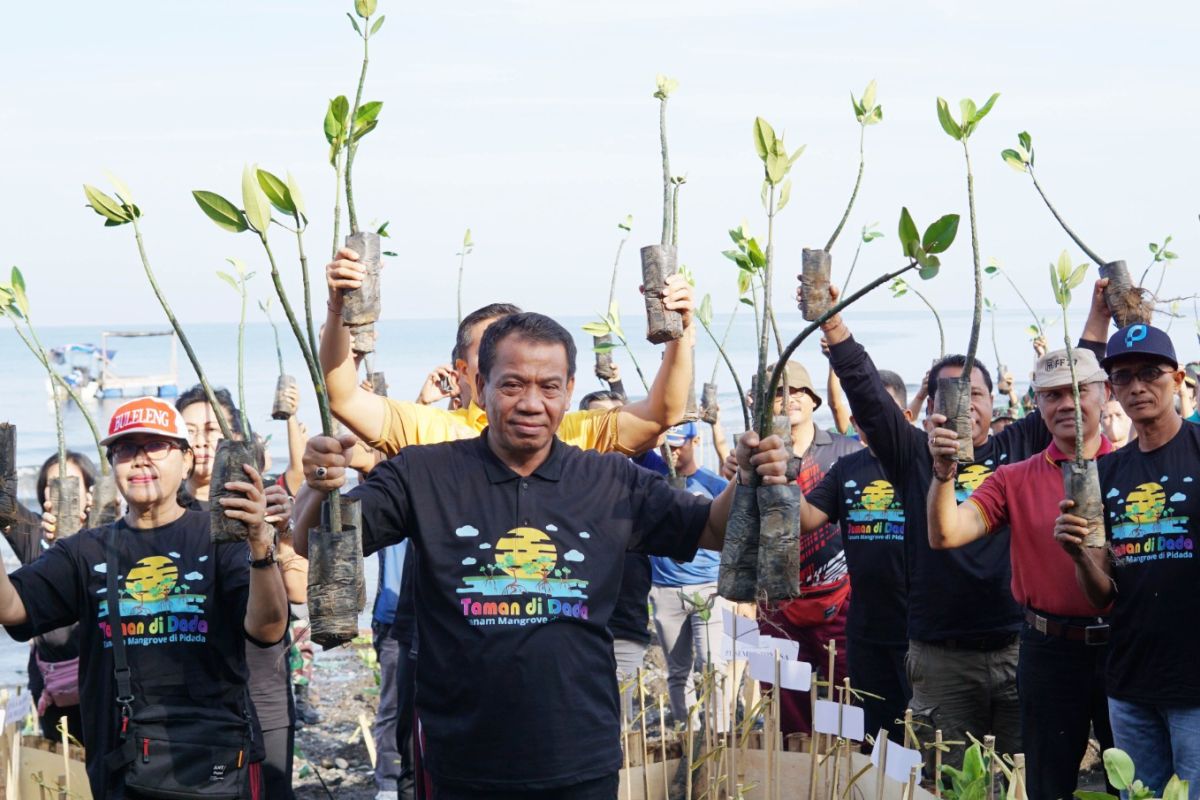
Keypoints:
pixel 263 562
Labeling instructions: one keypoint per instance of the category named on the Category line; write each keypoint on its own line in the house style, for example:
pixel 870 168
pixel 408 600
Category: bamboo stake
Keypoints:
pixel 748 701
pixel 777 730
pixel 837 757
pixel 731 775
pixel 937 763
pixel 832 649
pixel 849 766
pixel 908 722
pixel 625 750
pixel 812 746
pixel 662 741
pixel 882 767
pixel 1019 776
pixel 912 783
pixel 989 745
pixel 688 742
pixel 645 746
pixel 66 745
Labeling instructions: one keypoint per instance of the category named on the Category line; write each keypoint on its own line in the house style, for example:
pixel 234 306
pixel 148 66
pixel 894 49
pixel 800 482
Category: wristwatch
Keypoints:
pixel 265 561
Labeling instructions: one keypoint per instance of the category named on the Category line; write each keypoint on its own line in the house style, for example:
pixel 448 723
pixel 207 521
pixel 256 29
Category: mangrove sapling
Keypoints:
pixel 238 284
pixel 361 306
pixel 337 128
pixel 1081 480
pixel 1162 256
pixel 1003 384
pixel 708 400
pixel 659 260
pixel 761 552
pixel 281 408
pixel 994 268
pixel 232 454
pixel 815 264
pixel 468 244
pixel 954 394
pixel 604 362
pixel 65 491
pixel 335 575
pixel 869 234
pixel 1127 303
pixel 901 287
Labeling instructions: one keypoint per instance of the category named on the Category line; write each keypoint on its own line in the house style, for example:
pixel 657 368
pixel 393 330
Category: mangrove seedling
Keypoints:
pixel 604 362
pixel 361 306
pixel 708 401
pixel 335 574
pixel 816 264
pixel 1120 770
pixel 659 260
pixel 868 235
pixel 1163 256
pixel 65 491
pixel 1081 480
pixel 954 394
pixel 1003 385
pixel 468 244
pixel 281 408
pixel 994 268
pixel 901 287
pixel 238 284
pixel 232 453
pixel 1127 303
pixel 609 325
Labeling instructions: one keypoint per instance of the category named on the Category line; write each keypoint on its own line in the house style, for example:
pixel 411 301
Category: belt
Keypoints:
pixel 1088 634
pixel 992 641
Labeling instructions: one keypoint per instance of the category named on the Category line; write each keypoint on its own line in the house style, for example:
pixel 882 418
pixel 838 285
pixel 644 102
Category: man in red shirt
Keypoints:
pixel 1060 669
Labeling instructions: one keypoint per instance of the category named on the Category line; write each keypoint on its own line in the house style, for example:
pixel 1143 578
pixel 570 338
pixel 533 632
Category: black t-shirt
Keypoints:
pixel 515 583
pixel 953 594
pixel 184 609
pixel 856 494
pixel 1152 516
pixel 630 618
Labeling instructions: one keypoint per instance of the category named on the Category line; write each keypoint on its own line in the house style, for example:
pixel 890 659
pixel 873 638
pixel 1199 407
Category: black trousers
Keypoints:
pixel 277 766
pixel 598 789
pixel 879 669
pixel 1061 689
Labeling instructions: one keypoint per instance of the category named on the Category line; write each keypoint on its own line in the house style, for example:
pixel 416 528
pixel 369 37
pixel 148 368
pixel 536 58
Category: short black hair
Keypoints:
pixel 224 399
pixel 462 340
pixel 894 384
pixel 955 360
pixel 527 325
pixel 78 459
pixel 601 395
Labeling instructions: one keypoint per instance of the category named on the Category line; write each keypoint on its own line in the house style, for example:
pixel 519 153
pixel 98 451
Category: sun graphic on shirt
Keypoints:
pixel 973 476
pixel 526 553
pixel 1145 503
pixel 152 579
pixel 877 496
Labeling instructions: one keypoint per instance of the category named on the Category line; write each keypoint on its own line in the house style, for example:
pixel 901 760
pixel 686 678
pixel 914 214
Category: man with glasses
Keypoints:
pixel 1063 643
pixel 1150 571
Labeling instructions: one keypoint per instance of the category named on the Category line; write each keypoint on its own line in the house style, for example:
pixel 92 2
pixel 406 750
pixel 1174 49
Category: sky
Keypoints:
pixel 532 122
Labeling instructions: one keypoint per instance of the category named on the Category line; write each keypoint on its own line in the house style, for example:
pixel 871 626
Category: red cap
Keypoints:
pixel 146 415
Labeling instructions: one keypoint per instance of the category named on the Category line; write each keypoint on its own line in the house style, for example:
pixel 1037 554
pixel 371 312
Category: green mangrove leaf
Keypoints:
pixel 336 119
pixel 354 22
pixel 596 328
pixel 746 301
pixel 297 199
pixel 785 194
pixel 1014 160
pixel 378 24
pixel 777 168
pixel 364 8
pixel 940 235
pixel 239 267
pixel 276 191
pixel 17 287
pixel 764 138
pixel 967 107
pixel 232 281
pixel 224 213
pixel 858 109
pixel 744 283
pixel 105 206
pixel 799 152
pixel 757 257
pixel 123 193
pixel 1026 141
pixel 983 111
pixel 1077 276
pixel 868 97
pixel 948 124
pixel 929 265
pixel 704 313
pixel 910 240
pixel 605 347
pixel 627 225
pixel 366 115
pixel 258 207
pixel 468 242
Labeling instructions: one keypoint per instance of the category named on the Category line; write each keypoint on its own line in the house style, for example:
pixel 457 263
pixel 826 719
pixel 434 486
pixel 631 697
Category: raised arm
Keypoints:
pixel 358 409
pixel 837 401
pixel 12 608
pixel 640 424
pixel 266 605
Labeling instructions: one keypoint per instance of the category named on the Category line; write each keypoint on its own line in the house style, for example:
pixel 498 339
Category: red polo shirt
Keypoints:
pixel 1025 497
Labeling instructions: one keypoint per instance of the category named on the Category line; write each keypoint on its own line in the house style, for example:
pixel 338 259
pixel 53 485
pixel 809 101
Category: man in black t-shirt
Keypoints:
pixel 521 543
pixel 1149 572
pixel 856 494
pixel 962 619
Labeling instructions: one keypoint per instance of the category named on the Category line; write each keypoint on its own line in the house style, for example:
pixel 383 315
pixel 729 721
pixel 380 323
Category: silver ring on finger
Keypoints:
pixel 320 473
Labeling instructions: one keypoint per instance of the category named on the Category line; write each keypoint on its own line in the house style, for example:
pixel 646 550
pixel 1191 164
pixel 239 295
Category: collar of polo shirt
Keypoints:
pixel 499 472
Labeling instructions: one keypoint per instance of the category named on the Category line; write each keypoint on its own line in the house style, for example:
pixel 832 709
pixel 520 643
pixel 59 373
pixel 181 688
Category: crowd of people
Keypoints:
pixel 529 553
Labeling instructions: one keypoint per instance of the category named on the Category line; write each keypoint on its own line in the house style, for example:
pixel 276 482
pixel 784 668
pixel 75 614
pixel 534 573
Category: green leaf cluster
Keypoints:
pixel 116 211
pixel 238 284
pixel 1161 253
pixel 1020 158
pixel 898 287
pixel 970 116
pixel 13 300
pixel 924 248
pixel 970 782
pixel 869 234
pixel 866 111
pixel 664 86
pixel 750 258
pixel 468 244
pixel 776 162
pixel 260 191
pixel 627 224
pixel 1064 277
pixel 1119 767
pixel 608 323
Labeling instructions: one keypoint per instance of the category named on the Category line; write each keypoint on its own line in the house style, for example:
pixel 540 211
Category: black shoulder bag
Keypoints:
pixel 173 751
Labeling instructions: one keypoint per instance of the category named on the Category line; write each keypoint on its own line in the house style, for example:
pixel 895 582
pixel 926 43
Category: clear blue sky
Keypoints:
pixel 532 122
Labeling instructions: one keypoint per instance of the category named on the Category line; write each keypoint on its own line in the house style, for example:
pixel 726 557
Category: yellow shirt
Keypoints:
pixel 406 423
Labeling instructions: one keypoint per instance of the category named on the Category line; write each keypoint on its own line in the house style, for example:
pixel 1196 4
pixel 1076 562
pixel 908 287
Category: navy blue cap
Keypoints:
pixel 1139 340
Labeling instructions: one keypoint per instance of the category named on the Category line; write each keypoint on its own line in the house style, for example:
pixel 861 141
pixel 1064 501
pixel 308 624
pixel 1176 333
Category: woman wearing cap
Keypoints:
pixel 187 605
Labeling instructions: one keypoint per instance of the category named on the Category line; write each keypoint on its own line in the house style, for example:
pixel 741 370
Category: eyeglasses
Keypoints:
pixel 155 450
pixel 1124 377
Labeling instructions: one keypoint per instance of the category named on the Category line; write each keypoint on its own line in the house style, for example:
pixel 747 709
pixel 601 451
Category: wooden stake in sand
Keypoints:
pixel 625 750
pixel 881 767
pixel 777 730
pixel 732 774
pixel 908 727
pixel 937 763
pixel 1019 776
pixel 689 755
pixel 662 743
pixel 989 747
pixel 645 747
pixel 812 745
pixel 912 783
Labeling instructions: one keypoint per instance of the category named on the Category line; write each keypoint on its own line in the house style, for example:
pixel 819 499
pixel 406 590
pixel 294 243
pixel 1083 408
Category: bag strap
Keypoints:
pixel 120 658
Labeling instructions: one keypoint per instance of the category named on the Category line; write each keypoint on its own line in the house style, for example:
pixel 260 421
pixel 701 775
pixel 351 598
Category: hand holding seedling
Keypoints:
pixel 343 273
pixel 943 446
pixel 1070 530
pixel 50 522
pixel 432 390
pixel 249 506
pixel 678 296
pixel 325 461
pixel 767 457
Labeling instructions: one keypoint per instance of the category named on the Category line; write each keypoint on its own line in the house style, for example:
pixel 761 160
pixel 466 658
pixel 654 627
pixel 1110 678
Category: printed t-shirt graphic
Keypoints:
pixel 1151 510
pixel 525 580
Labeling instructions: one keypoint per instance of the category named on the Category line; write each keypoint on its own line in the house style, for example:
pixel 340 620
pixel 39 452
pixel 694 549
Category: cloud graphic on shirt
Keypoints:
pixel 193 576
pixel 551 527
pixel 573 555
pixel 1178 497
pixel 468 561
pixel 584 535
pixel 850 484
pixel 202 558
pixel 467 531
pixel 1188 479
pixel 174 555
pixel 101 568
pixel 1163 479
pixel 1113 493
pixel 485 546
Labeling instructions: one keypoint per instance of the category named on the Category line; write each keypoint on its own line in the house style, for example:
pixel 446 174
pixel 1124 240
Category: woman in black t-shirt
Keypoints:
pixel 187 605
